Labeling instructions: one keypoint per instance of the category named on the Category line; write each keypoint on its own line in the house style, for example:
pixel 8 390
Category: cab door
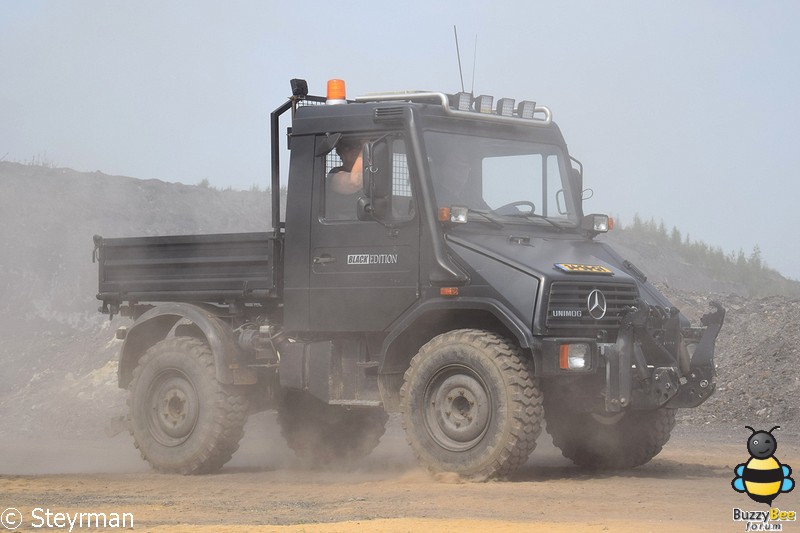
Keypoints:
pixel 363 273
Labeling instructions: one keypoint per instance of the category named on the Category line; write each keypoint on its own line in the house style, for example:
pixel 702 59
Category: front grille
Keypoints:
pixel 568 307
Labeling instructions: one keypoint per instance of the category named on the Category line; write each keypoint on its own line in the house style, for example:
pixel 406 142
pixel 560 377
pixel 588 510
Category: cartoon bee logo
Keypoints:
pixel 762 477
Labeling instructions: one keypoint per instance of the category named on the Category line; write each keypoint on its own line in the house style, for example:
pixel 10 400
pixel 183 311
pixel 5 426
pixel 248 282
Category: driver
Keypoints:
pixel 344 184
pixel 456 182
pixel 347 178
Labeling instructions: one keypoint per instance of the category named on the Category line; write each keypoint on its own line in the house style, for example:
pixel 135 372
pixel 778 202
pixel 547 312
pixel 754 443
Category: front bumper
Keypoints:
pixel 653 363
pixel 644 373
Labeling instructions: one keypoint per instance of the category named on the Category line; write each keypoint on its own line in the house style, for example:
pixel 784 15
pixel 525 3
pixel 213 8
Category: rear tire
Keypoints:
pixel 622 441
pixel 323 435
pixel 471 405
pixel 182 419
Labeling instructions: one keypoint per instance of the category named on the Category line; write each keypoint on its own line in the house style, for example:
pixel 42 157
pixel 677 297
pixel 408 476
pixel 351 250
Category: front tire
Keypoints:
pixel 182 419
pixel 471 405
pixel 620 441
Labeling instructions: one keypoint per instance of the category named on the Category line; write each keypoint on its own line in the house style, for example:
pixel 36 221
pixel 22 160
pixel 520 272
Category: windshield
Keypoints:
pixel 510 180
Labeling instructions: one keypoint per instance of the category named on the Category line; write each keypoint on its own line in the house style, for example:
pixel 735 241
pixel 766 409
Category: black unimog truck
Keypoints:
pixel 462 287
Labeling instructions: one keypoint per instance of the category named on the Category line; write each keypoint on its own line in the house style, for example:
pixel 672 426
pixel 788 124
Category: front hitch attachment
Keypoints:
pixel 699 384
pixel 619 359
pixel 675 379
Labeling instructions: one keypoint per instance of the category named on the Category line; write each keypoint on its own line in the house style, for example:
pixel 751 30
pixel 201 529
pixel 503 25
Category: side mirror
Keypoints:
pixel 577 179
pixel 372 208
pixel 377 176
pixel 561 202
pixel 327 144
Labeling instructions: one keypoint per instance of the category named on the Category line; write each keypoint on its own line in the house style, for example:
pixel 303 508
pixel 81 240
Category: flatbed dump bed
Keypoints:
pixel 230 267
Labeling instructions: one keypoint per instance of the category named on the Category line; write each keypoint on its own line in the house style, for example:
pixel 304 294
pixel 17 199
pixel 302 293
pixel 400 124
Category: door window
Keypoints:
pixel 344 183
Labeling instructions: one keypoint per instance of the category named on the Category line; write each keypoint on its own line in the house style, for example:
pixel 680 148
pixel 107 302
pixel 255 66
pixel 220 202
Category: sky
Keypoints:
pixel 681 111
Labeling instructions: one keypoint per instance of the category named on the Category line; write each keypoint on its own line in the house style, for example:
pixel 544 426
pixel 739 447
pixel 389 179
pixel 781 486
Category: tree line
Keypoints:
pixel 749 270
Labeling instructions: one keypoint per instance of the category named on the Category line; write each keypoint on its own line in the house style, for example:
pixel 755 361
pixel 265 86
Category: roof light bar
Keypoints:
pixel 526 109
pixel 461 101
pixel 505 107
pixel 483 103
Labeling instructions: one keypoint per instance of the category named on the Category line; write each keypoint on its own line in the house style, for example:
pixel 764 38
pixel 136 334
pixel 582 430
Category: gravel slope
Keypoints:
pixel 58 353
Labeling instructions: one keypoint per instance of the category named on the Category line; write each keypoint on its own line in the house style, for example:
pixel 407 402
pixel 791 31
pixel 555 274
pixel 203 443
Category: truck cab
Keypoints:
pixel 461 285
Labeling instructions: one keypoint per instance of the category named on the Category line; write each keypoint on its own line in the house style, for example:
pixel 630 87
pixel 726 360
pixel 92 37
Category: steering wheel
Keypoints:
pixel 512 208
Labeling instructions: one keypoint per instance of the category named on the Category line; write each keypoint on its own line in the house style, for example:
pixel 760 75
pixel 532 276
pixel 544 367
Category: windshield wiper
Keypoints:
pixel 486 218
pixel 536 216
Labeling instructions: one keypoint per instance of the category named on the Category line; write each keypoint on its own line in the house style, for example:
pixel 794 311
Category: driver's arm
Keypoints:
pixel 344 182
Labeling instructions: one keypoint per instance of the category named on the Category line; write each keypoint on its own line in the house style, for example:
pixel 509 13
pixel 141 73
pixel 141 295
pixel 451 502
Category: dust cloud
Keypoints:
pixel 262 449
pixel 59 354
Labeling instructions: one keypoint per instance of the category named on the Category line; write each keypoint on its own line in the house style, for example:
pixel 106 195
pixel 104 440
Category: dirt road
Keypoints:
pixel 686 488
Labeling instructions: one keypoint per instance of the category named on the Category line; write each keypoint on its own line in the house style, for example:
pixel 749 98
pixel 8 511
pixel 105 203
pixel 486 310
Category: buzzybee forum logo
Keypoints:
pixel 762 477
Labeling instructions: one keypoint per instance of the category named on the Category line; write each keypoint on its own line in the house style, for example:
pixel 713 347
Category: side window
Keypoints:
pixel 402 199
pixel 344 182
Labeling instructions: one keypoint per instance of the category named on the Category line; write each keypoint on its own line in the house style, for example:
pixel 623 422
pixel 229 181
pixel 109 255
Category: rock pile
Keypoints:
pixel 758 351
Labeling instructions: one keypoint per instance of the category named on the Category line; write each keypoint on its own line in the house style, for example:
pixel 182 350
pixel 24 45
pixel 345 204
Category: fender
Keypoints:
pixel 158 323
pixel 520 330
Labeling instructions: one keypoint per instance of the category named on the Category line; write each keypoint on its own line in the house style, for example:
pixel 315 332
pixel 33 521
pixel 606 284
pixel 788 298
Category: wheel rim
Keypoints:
pixel 608 419
pixel 172 407
pixel 457 408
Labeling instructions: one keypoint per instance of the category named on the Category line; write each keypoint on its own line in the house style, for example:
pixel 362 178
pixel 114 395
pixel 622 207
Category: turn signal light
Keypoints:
pixel 448 291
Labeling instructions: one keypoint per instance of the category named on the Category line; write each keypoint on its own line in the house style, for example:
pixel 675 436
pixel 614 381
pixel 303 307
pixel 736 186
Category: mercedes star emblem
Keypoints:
pixel 597 304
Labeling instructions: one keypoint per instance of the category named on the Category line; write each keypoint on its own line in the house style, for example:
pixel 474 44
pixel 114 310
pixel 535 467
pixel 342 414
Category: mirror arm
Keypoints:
pixel 368 160
pixel 365 213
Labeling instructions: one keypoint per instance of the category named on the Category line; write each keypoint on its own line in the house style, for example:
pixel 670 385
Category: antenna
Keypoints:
pixel 458 53
pixel 474 58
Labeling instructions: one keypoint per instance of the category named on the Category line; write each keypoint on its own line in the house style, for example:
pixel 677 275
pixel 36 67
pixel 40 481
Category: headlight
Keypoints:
pixel 597 223
pixel 575 356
